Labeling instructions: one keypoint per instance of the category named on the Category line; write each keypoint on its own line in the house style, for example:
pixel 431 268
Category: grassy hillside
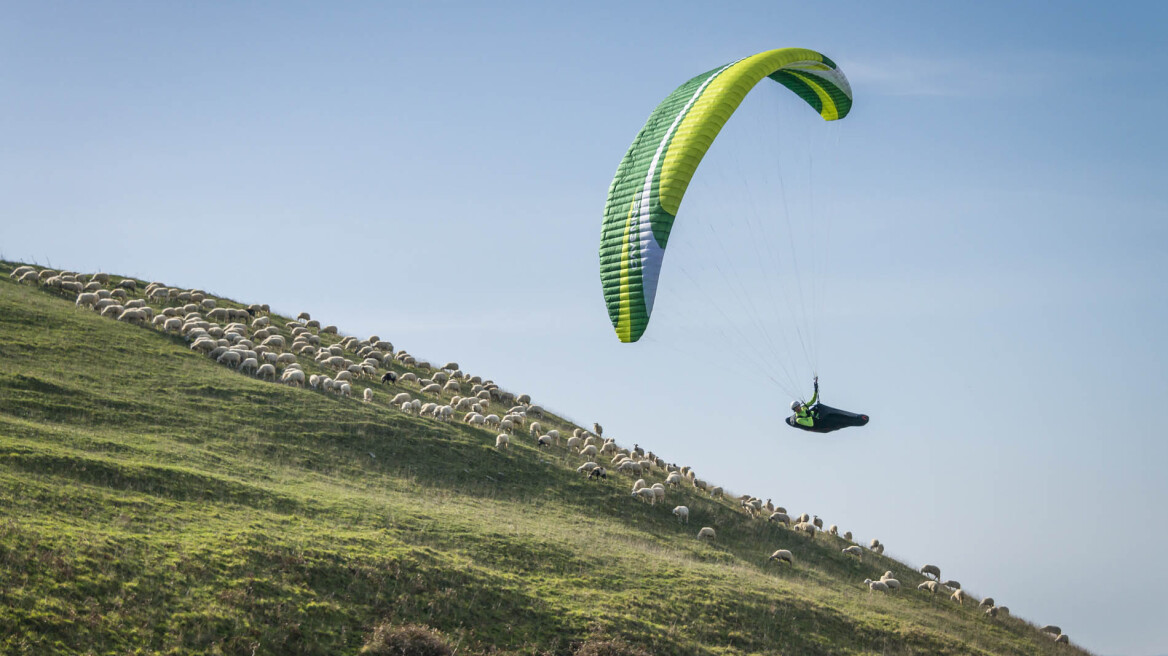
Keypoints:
pixel 153 501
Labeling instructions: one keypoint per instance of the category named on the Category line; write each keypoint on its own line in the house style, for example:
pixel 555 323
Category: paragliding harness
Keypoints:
pixel 824 418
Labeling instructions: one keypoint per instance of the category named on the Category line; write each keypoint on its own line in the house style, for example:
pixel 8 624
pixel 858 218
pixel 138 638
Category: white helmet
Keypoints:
pixel 795 405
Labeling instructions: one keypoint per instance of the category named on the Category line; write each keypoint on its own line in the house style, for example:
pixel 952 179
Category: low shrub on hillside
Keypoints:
pixel 406 640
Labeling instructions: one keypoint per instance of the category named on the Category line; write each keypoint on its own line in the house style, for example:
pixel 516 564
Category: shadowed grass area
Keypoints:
pixel 155 501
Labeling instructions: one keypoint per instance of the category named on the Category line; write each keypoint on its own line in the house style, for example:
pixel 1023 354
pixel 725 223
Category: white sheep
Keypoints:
pixel 367 395
pixel 639 484
pixel 673 478
pixel 782 555
pixel 682 514
pixel 875 586
pixel 502 440
pixel 782 518
pixel 544 440
pixel 267 371
pixel 706 532
pixel 958 596
pixel 854 551
pixel 1051 629
pixel 589 450
pixel 586 468
pixel 646 495
pixel 293 377
pixel 892 584
pixel 929 586
pixel 931 570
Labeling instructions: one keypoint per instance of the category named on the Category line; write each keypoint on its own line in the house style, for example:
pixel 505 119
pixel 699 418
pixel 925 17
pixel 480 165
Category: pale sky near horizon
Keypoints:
pixel 992 212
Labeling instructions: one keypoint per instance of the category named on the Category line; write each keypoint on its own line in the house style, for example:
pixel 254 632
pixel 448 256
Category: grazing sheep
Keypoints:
pixel 987 602
pixel 873 544
pixel 892 584
pixel 782 555
pixel 805 527
pixel 931 570
pixel 574 442
pixel 781 517
pixel 991 612
pixel 293 377
pixel 367 396
pixel 228 357
pixel 545 440
pixel 589 450
pixel 249 364
pixel 1051 629
pixel 673 479
pixel 707 532
pixel 640 483
pixel 1004 610
pixel 87 299
pixel 626 466
pixel 20 271
pixel 502 441
pixel 952 585
pixel 682 514
pixel 931 586
pixel 834 530
pixel 389 377
pixel 875 586
pixel 1062 639
pixel 848 536
pixel 716 491
pixel 854 551
pixel 586 468
pixel 958 596
pixel 646 495
pixel 407 408
pixel 818 522
pixel 266 371
pixel 598 473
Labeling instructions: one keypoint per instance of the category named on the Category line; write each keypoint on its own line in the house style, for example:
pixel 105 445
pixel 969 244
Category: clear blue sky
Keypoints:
pixel 436 174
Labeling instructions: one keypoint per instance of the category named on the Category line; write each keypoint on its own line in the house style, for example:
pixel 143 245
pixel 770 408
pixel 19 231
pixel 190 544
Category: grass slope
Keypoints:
pixel 153 501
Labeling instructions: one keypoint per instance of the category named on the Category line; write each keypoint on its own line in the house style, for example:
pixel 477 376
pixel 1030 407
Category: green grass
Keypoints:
pixel 152 501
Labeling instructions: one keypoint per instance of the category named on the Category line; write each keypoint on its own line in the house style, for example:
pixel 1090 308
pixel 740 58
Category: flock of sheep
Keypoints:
pixel 246 339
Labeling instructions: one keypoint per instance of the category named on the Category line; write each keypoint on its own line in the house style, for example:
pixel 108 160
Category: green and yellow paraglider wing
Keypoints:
pixel 652 178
